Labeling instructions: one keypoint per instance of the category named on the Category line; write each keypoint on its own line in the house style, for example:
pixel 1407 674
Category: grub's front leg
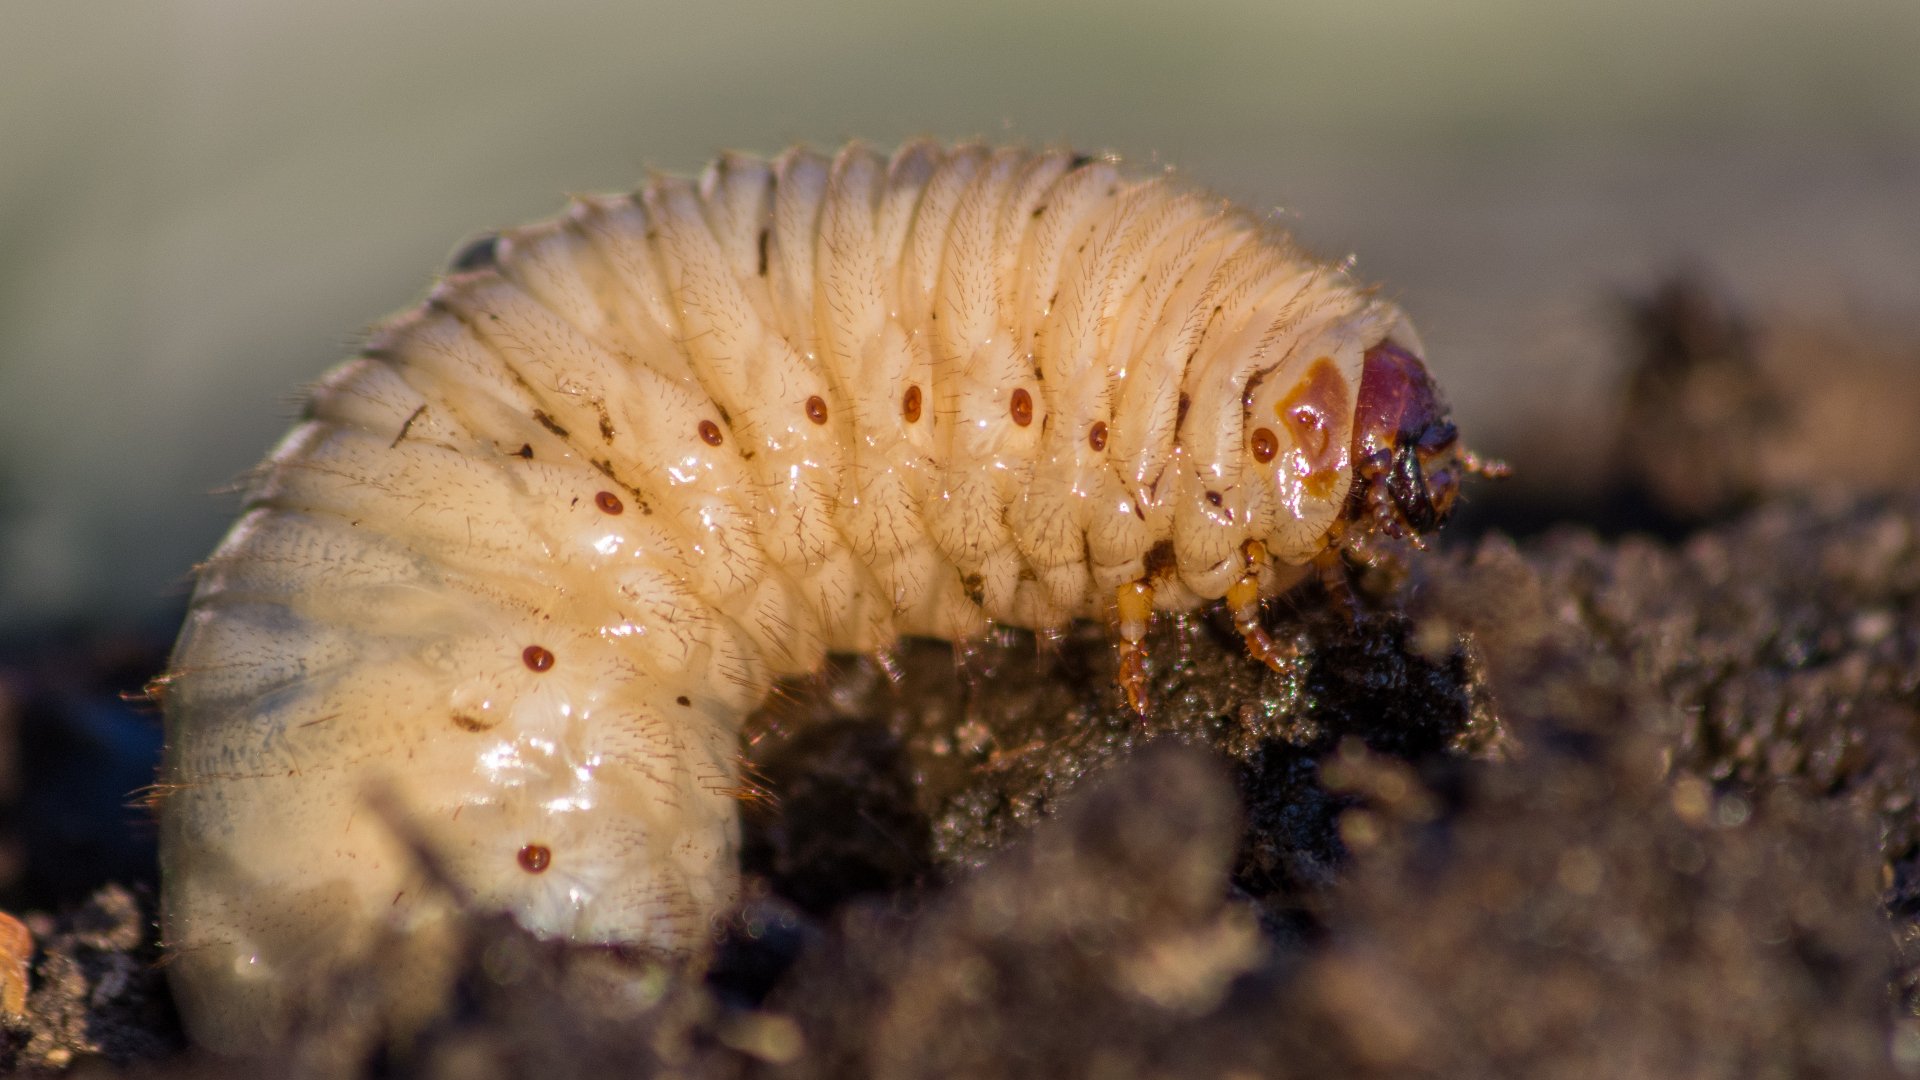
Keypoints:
pixel 1136 613
pixel 1243 601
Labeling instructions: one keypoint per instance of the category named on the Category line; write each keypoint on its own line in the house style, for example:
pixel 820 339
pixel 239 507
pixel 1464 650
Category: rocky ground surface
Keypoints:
pixel 1600 802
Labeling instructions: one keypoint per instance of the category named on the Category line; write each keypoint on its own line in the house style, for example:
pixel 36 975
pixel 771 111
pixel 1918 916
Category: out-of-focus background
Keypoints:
pixel 202 201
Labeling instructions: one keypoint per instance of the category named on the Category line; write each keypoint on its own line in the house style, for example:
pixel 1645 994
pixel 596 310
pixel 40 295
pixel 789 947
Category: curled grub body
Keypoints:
pixel 532 555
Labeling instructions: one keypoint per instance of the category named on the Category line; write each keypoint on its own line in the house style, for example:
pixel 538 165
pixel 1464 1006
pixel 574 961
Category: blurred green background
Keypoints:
pixel 203 201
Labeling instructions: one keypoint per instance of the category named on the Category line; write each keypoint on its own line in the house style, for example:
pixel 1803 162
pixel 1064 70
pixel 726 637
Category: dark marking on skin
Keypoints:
pixel 1312 411
pixel 639 500
pixel 406 427
pixel 1265 445
pixel 1213 498
pixel 1080 161
pixel 683 700
pixel 1021 407
pixel 469 723
pixel 525 451
pixel 1160 559
pixel 606 426
pixel 1253 386
pixel 1180 417
pixel 764 234
pixel 975 587
pixel 479 253
pixel 548 422
pixel 535 858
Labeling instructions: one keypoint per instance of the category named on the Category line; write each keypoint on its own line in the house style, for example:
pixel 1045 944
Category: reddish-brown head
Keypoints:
pixel 1406 453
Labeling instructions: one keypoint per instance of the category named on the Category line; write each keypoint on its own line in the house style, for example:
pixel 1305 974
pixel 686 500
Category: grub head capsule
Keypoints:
pixel 1408 462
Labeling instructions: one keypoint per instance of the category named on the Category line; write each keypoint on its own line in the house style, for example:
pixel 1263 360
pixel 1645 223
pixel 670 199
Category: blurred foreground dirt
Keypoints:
pixel 1569 807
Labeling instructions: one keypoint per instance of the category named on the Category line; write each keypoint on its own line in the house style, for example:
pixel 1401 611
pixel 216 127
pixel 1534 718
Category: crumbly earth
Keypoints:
pixel 1573 806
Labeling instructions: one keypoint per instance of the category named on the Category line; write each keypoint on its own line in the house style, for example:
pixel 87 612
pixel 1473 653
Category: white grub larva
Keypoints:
pixel 531 556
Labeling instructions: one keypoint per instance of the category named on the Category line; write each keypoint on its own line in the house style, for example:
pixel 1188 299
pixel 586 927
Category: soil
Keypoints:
pixel 1636 794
